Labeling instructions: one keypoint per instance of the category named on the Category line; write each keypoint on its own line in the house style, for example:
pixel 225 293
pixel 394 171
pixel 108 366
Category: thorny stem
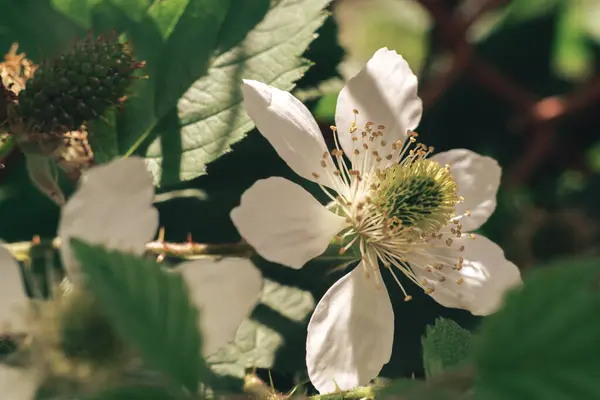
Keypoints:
pixel 23 251
pixel 259 389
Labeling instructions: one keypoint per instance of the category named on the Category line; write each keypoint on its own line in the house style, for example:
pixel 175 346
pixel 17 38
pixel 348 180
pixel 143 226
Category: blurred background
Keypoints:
pixel 516 80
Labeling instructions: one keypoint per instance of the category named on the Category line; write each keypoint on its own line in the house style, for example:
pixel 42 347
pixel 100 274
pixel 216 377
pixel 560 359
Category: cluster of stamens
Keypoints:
pixel 399 206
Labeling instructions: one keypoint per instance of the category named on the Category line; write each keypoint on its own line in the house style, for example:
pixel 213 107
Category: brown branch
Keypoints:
pixel 471 10
pixel 491 79
pixel 540 146
pixel 438 86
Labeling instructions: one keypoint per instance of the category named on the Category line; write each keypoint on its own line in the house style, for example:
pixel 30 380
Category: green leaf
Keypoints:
pixel 406 389
pixel 103 138
pixel 524 10
pixel 445 345
pixel 277 321
pixel 367 26
pixel 133 393
pixel 188 112
pixel 573 57
pixel 149 307
pixel 545 342
pixel 255 42
pixel 80 11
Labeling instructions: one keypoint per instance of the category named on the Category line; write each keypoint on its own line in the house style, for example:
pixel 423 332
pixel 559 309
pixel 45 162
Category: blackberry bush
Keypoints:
pixel 77 86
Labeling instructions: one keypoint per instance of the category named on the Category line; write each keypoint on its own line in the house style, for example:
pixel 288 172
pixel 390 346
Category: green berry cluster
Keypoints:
pixel 78 86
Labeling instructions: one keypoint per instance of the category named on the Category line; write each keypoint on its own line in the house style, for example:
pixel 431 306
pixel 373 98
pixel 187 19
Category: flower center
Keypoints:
pixel 399 206
pixel 420 195
pixel 72 337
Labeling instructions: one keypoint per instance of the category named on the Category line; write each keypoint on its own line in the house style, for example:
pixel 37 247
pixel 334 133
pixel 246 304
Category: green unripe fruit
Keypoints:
pixel 78 86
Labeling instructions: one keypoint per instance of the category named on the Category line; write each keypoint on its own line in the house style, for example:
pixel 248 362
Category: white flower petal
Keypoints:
pixel 485 277
pixel 225 292
pixel 478 179
pixel 292 131
pixel 112 207
pixel 18 383
pixel 350 334
pixel 13 300
pixel 385 93
pixel 284 223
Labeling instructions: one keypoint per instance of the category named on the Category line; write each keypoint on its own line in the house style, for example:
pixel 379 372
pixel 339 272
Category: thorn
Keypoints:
pixel 337 388
pixel 189 238
pixel 271 380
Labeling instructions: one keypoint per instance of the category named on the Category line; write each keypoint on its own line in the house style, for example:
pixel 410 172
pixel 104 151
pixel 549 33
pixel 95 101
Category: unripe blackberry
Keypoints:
pixel 77 86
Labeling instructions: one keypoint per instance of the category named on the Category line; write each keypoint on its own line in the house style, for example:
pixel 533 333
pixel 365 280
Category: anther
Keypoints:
pixel 407 298
pixel 460 281
pixel 383 143
pixel 315 175
pixel 380 127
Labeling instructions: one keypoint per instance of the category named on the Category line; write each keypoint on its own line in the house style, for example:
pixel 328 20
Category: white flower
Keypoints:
pixel 113 207
pixel 403 209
